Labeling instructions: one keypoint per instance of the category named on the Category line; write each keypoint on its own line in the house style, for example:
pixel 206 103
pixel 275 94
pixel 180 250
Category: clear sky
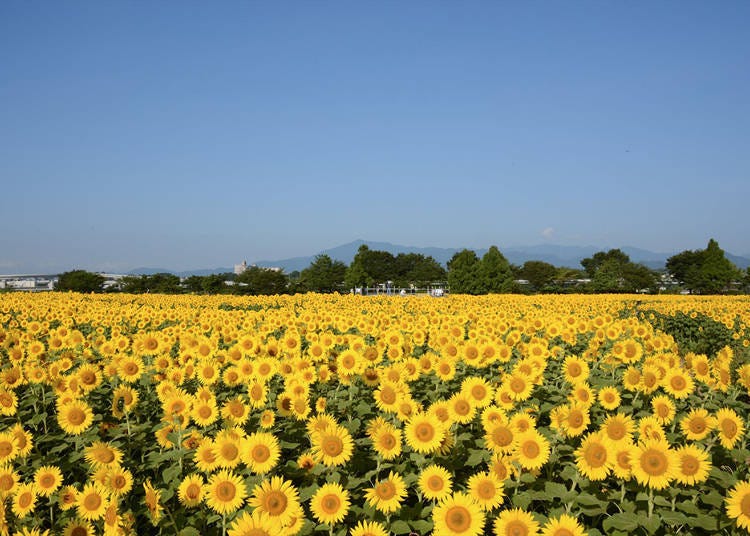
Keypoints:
pixel 196 134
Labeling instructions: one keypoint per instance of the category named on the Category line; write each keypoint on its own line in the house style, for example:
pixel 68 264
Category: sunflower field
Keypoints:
pixel 367 416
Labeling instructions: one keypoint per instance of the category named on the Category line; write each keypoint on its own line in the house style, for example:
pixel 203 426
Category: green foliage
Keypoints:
pixel 693 332
pixel 261 281
pixel 324 275
pixel 80 281
pixel 463 273
pixel 161 283
pixel 704 271
pixel 538 273
pixel 613 271
pixel 494 272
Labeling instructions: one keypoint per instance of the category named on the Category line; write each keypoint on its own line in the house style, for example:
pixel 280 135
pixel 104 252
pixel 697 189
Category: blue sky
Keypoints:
pixel 197 134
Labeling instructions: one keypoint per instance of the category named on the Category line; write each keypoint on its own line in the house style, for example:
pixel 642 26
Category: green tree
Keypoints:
pixel 161 283
pixel 80 281
pixel 214 284
pixel 194 283
pixel 539 274
pixel 356 276
pixel 592 264
pixel 463 273
pixel 705 271
pixel 261 281
pixel 324 275
pixel 494 272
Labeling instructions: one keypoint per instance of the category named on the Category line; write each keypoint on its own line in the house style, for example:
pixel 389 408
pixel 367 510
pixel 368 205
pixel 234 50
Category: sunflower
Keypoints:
pixel 8 403
pixel 267 419
pixel 227 449
pixel 461 408
pixel 47 479
pixel 458 515
pixel 67 498
pixel 576 419
pixel 693 465
pixel 333 446
pixel 330 503
pixel 479 391
pixel 278 498
pixel 609 398
pixel 124 399
pixel 8 480
pixel 388 494
pixel 618 428
pixel 75 417
pixel 235 411
pixel 664 409
pixel 738 504
pixel 697 424
pixel 152 499
pixel 24 499
pixel 500 436
pixel 205 456
pixel 678 383
pixel 623 454
pixel 368 528
pixel 486 490
pixel 515 522
pixel 91 502
pixel 654 464
pixel 532 449
pixel 424 433
pixel 257 394
pixel 388 395
pixel 204 412
pixel 564 525
pixel 190 490
pixel 518 385
pixel 594 457
pixel 386 441
pixel 131 369
pixel 731 427
pixel 8 447
pixel 435 482
pixel 225 492
pixel 575 370
pixel 256 524
pixel 260 452
pixel 78 527
pixel 100 454
pixel 24 440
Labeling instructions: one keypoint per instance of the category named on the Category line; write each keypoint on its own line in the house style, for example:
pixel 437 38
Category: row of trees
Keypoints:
pixel 705 271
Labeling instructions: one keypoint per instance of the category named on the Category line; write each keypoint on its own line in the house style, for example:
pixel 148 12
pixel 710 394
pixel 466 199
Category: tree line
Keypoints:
pixel 703 271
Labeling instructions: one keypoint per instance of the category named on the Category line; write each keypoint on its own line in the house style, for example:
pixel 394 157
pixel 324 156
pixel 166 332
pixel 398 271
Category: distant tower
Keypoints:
pixel 239 268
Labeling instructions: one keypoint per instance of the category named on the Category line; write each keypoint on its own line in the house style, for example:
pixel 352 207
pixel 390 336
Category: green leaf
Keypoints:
pixel 476 457
pixel 422 526
pixel 688 507
pixel 705 522
pixel 622 521
pixel 171 473
pixel 521 500
pixel 586 499
pixel 712 498
pixel 651 524
pixel 189 531
pixel 554 490
pixel 400 527
pixel 673 518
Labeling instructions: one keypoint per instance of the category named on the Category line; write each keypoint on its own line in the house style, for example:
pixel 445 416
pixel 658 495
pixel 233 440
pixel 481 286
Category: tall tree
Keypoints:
pixel 539 274
pixel 705 271
pixel 463 273
pixel 80 281
pixel 261 281
pixel 324 274
pixel 495 272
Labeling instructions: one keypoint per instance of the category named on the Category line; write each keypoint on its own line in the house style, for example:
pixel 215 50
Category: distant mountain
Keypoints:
pixel 568 256
pixel 186 273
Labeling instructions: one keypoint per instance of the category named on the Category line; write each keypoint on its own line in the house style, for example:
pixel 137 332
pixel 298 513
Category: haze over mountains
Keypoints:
pixel 568 256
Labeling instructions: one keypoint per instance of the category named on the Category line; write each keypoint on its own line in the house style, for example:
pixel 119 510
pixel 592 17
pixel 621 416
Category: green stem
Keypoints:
pixel 223 524
pixel 650 502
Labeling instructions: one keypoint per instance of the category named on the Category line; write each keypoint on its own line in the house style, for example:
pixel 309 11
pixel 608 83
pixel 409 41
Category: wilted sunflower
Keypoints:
pixel 330 503
pixel 153 498
pixel 388 494
pixel 458 515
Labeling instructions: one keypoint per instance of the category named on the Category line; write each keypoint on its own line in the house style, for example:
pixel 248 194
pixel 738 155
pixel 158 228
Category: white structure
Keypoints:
pixel 239 268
